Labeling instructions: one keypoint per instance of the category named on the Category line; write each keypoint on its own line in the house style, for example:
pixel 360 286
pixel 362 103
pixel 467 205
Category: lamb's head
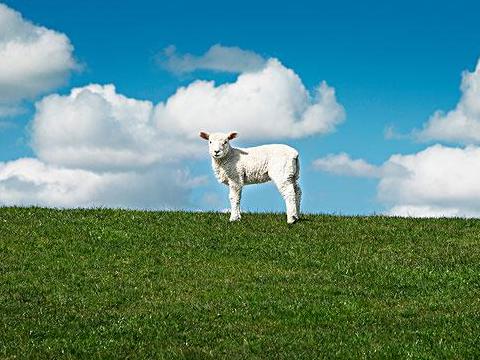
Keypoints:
pixel 218 143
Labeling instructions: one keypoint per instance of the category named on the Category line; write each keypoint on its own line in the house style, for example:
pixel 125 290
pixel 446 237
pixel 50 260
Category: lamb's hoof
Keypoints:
pixel 235 218
pixel 292 220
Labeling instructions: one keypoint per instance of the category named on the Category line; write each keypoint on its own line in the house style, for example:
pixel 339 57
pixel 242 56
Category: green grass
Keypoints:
pixel 128 284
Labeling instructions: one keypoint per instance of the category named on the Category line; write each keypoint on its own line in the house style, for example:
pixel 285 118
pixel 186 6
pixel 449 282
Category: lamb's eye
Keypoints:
pixel 224 142
pixel 210 142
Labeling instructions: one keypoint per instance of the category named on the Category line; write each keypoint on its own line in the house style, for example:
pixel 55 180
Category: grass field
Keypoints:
pixel 127 284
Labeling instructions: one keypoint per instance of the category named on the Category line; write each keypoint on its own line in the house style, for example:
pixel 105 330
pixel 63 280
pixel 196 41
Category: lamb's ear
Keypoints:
pixel 232 135
pixel 204 135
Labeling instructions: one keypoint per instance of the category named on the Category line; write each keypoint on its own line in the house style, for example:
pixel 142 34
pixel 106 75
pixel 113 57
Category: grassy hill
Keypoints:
pixel 129 284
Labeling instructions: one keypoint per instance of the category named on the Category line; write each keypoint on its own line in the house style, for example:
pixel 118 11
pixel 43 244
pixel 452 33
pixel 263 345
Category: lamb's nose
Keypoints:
pixel 217 152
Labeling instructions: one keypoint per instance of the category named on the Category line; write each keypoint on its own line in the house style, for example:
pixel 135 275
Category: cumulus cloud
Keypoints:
pixel 94 127
pixel 29 181
pixel 438 181
pixel 33 59
pixel 343 164
pixel 271 103
pixel 218 58
pixel 96 147
pixel 462 124
pixel 430 211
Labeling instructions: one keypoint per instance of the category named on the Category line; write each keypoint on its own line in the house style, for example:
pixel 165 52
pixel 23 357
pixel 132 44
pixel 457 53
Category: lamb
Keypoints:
pixel 238 167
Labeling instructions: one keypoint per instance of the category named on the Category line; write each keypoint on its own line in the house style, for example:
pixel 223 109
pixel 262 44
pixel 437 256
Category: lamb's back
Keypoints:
pixel 271 151
pixel 256 162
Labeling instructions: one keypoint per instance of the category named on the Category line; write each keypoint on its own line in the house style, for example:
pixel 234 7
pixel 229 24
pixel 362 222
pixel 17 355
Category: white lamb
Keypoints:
pixel 238 167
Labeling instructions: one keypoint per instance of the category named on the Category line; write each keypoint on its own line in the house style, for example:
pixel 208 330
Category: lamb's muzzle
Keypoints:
pixel 238 167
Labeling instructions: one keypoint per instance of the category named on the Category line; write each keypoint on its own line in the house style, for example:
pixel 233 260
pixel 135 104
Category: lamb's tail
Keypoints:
pixel 296 166
pixel 296 185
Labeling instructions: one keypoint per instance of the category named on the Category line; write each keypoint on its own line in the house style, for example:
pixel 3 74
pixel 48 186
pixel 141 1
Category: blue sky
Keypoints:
pixel 391 64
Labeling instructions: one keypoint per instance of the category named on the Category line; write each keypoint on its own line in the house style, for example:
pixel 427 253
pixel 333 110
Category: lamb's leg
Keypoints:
pixel 235 195
pixel 287 189
pixel 298 197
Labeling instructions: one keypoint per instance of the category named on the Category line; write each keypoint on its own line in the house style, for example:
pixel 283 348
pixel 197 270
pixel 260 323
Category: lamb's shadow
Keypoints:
pixel 303 219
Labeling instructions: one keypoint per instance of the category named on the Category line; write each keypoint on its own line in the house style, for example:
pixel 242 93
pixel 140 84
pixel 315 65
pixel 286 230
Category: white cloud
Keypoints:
pixel 31 182
pixel 271 103
pixel 342 164
pixel 33 59
pixel 461 124
pixel 94 127
pixel 444 179
pixel 96 147
pixel 438 181
pixel 217 58
pixel 430 211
